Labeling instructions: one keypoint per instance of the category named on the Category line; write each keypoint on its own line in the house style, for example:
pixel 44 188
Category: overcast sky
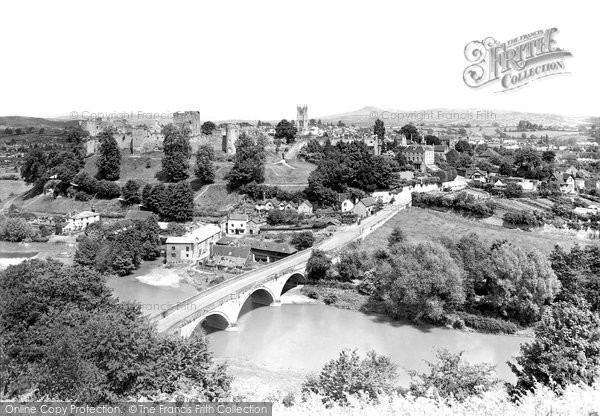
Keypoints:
pixel 257 60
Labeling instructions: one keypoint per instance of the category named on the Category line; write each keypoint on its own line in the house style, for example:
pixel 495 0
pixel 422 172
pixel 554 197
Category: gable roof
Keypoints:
pixel 238 217
pixel 84 214
pixel 307 203
pixel 368 201
pixel 268 246
pixel 418 148
pixel 231 251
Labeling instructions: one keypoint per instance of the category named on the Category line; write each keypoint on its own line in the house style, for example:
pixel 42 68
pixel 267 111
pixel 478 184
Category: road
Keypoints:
pixel 338 239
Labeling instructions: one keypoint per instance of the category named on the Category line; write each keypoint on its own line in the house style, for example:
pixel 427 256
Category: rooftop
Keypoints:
pixel 267 246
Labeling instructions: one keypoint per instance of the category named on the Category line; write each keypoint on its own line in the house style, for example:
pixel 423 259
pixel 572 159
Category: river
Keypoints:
pixel 305 336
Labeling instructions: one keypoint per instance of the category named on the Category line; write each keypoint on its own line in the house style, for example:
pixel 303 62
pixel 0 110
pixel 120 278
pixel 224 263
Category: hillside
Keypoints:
pixel 364 117
pixel 37 122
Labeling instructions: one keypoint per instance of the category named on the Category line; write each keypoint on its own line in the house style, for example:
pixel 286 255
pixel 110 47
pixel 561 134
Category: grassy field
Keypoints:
pixel 9 189
pixel 422 225
pixel 290 172
pixel 216 198
pixel 46 204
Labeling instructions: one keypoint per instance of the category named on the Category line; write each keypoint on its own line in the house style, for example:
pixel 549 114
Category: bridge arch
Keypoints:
pixel 292 281
pixel 262 296
pixel 212 321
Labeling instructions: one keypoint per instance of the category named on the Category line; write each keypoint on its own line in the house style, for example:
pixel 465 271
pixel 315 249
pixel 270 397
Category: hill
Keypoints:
pixel 19 121
pixel 449 116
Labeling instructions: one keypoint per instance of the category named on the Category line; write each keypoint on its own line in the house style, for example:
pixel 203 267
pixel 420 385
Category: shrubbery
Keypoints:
pixel 488 324
pixel 528 218
pixel 461 202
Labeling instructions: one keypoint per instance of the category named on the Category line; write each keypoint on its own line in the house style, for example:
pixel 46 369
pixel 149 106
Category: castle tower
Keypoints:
pixel 232 132
pixel 190 119
pixel 302 118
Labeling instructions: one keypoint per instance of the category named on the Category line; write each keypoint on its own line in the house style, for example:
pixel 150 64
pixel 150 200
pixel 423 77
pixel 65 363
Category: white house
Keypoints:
pixel 192 246
pixel 237 224
pixel 346 205
pixel 80 221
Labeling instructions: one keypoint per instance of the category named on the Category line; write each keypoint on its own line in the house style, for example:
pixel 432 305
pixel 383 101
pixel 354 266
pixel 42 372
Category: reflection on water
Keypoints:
pixel 304 337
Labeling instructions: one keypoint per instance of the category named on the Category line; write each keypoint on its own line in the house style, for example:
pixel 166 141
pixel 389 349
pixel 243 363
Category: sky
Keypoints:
pixel 258 59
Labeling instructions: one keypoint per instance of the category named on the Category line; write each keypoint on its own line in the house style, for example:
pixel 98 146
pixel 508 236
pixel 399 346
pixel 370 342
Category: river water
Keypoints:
pixel 305 336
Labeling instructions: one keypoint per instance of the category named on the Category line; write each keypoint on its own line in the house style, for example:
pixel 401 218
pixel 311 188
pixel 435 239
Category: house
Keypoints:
pixel 236 224
pixel 267 205
pixel 192 246
pixel 267 251
pixel 474 174
pixel 79 221
pixel 227 241
pixel 254 225
pixel 346 204
pixel 225 256
pixel 305 207
pixel 420 156
pixel 564 182
pixel 364 207
pixel 290 206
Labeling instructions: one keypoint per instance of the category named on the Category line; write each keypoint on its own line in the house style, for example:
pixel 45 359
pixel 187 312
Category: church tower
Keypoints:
pixel 302 118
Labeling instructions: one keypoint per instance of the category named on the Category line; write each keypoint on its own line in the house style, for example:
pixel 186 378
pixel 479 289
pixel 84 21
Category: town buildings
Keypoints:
pixel 79 221
pixel 192 246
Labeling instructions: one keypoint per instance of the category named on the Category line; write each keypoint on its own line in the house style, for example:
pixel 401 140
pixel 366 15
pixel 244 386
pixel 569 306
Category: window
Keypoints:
pixel 187 248
pixel 172 254
pixel 172 247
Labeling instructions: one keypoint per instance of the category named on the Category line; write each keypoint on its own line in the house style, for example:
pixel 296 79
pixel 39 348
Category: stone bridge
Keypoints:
pixel 224 312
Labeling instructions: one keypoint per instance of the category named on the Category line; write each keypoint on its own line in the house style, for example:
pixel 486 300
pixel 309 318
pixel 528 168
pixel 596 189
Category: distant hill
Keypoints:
pixel 448 116
pixel 18 121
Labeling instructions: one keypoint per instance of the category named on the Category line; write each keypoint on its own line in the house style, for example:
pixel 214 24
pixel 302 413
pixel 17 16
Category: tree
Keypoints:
pixel 204 169
pixel 349 376
pixel 8 130
pixel 513 190
pixel 565 350
pixel 66 337
pixel 109 162
pixel 284 130
pixel 379 131
pixel 463 146
pixel 548 156
pixel 175 166
pixel 432 140
pixel 452 377
pixel 505 168
pixel 397 236
pixel 318 265
pixel 34 169
pixel 176 140
pixel 207 128
pixel 411 133
pixel 421 282
pixel 303 240
pixel 131 192
pixel 16 230
pixel 249 162
pixel 178 204
pixel 528 158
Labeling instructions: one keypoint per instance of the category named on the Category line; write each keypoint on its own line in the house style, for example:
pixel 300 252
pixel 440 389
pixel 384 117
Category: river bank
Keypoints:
pixel 346 296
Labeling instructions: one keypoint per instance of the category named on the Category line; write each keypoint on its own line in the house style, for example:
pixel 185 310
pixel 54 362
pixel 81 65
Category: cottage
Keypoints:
pixel 80 221
pixel 305 207
pixel 192 246
pixel 474 174
pixel 254 225
pixel 237 224
pixel 364 207
pixel 346 204
pixel 564 181
pixel 290 206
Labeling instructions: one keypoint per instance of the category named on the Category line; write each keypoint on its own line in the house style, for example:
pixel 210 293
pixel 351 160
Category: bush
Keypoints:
pixel 488 324
pixel 303 240
pixel 330 299
pixel 16 230
pixel 82 196
pixel 529 218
